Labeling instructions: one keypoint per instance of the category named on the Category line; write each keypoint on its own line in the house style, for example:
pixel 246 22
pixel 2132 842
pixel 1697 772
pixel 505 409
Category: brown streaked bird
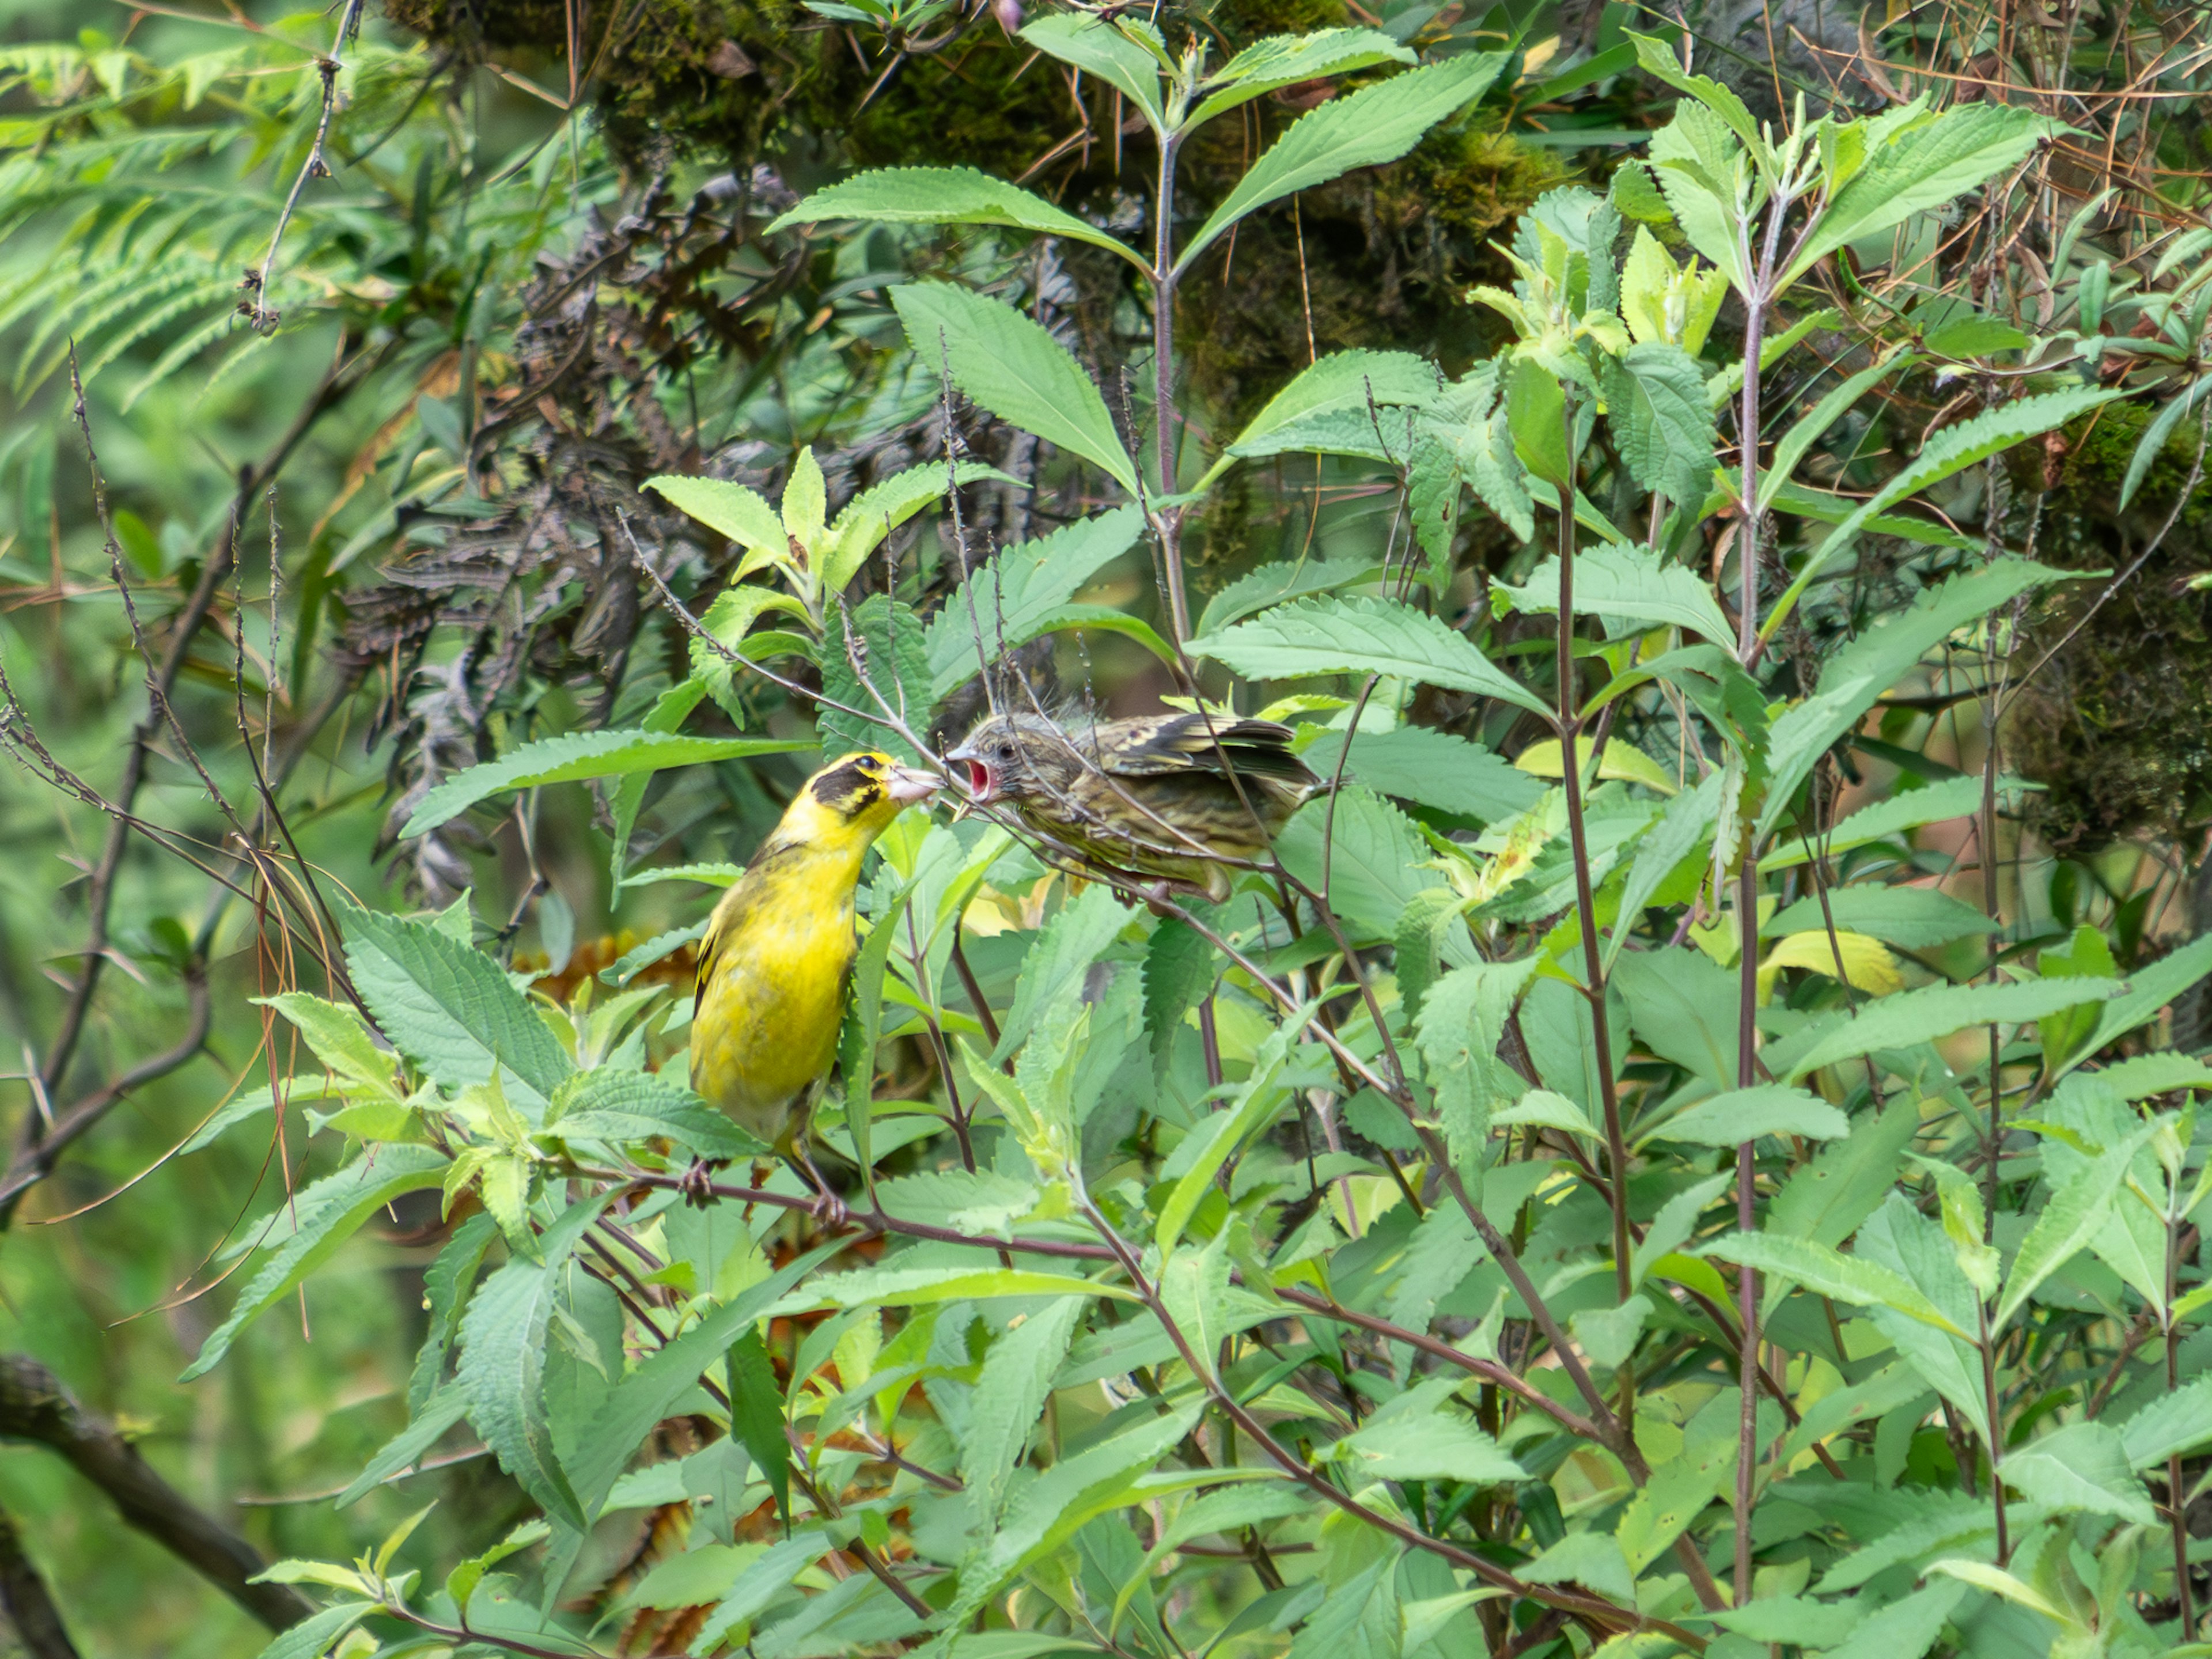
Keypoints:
pixel 1152 796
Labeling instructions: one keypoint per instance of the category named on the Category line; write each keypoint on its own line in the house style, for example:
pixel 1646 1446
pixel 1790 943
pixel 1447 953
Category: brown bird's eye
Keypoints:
pixel 1005 752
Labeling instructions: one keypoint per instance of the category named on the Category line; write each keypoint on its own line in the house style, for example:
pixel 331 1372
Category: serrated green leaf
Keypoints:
pixel 1829 1272
pixel 576 756
pixel 620 1106
pixel 1285 60
pixel 447 1007
pixel 946 196
pixel 1016 1382
pixel 323 1217
pixel 1430 769
pixel 1361 636
pixel 1662 423
pixel 1740 1115
pixel 1011 367
pixel 1628 584
pixel 1363 129
pixel 1936 1010
pixel 1095 46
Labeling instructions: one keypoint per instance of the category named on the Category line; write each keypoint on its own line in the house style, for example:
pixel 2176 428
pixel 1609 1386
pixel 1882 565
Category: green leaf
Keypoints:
pixel 1829 1272
pixel 1435 1444
pixel 312 1637
pixel 2076 1214
pixel 1682 829
pixel 1277 583
pixel 1911 918
pixel 1369 861
pixel 323 1218
pixel 1951 451
pixel 1682 1485
pixel 883 640
pixel 1178 971
pixel 1627 585
pixel 1826 1200
pixel 446 1007
pixel 946 196
pixel 2083 1466
pixel 1676 1222
pixel 619 1106
pixel 1011 366
pixel 1905 1629
pixel 920 1287
pixel 1363 129
pixel 756 1420
pixel 651 1390
pixel 880 508
pixel 2156 436
pixel 1210 1144
pixel 731 509
pixel 1054 965
pixel 1431 769
pixel 1812 426
pixel 1342 381
pixel 1936 1010
pixel 2148 990
pixel 1286 60
pixel 1096 47
pixel 1009 1397
pixel 575 756
pixel 502 1368
pixel 1924 163
pixel 448 1406
pixel 669 712
pixel 1740 1115
pixel 1662 423
pixel 1937 803
pixel 445 1289
pixel 341 1041
pixel 1360 636
pixel 1877 659
pixel 1047 1511
pixel 2170 1425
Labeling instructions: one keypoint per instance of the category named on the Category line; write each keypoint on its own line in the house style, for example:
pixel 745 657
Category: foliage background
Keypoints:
pixel 584 300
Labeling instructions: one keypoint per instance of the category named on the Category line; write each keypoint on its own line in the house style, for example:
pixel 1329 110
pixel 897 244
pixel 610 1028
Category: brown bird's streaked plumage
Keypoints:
pixel 1152 796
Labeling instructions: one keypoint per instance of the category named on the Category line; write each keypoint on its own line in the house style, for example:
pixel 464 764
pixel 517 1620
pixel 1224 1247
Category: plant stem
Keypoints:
pixel 1991 1406
pixel 1168 519
pixel 1586 916
pixel 1747 909
pixel 2176 1505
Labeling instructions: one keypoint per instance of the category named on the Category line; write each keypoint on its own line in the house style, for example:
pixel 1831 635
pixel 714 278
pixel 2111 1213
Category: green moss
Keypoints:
pixel 2118 724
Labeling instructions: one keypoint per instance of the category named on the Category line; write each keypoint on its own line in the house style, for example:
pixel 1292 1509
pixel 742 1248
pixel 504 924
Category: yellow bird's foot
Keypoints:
pixel 698 1184
pixel 828 1211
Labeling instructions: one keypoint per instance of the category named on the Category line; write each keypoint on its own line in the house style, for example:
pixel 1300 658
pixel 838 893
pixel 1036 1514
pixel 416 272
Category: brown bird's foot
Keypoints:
pixel 1158 898
pixel 698 1183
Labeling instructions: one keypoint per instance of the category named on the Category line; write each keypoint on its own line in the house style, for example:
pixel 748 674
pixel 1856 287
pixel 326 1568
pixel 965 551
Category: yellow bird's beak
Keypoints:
pixel 906 786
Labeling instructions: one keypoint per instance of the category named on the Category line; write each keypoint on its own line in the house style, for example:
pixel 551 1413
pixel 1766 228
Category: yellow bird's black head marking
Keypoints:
pixel 867 788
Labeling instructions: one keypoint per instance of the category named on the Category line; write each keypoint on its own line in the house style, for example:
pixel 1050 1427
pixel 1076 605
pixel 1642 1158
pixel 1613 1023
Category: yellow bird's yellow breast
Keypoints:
pixel 766 1024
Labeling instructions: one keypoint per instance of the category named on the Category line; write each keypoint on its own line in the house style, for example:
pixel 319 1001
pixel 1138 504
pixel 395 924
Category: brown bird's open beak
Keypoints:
pixel 977 772
pixel 906 786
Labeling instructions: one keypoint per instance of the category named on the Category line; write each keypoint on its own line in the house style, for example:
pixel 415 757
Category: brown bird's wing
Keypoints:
pixel 1166 745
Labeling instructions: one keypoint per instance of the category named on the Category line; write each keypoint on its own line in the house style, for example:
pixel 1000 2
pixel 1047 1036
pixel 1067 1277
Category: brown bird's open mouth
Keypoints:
pixel 982 782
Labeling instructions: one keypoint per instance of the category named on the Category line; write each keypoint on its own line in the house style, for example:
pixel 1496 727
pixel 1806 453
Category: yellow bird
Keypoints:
pixel 770 992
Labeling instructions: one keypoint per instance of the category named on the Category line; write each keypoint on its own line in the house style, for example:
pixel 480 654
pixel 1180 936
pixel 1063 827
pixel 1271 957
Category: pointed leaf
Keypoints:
pixel 1363 129
pixel 575 756
pixel 1360 636
pixel 946 196
pixel 1011 367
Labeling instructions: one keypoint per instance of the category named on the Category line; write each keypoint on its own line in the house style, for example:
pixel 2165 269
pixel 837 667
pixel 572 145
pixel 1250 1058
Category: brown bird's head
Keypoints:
pixel 1008 756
